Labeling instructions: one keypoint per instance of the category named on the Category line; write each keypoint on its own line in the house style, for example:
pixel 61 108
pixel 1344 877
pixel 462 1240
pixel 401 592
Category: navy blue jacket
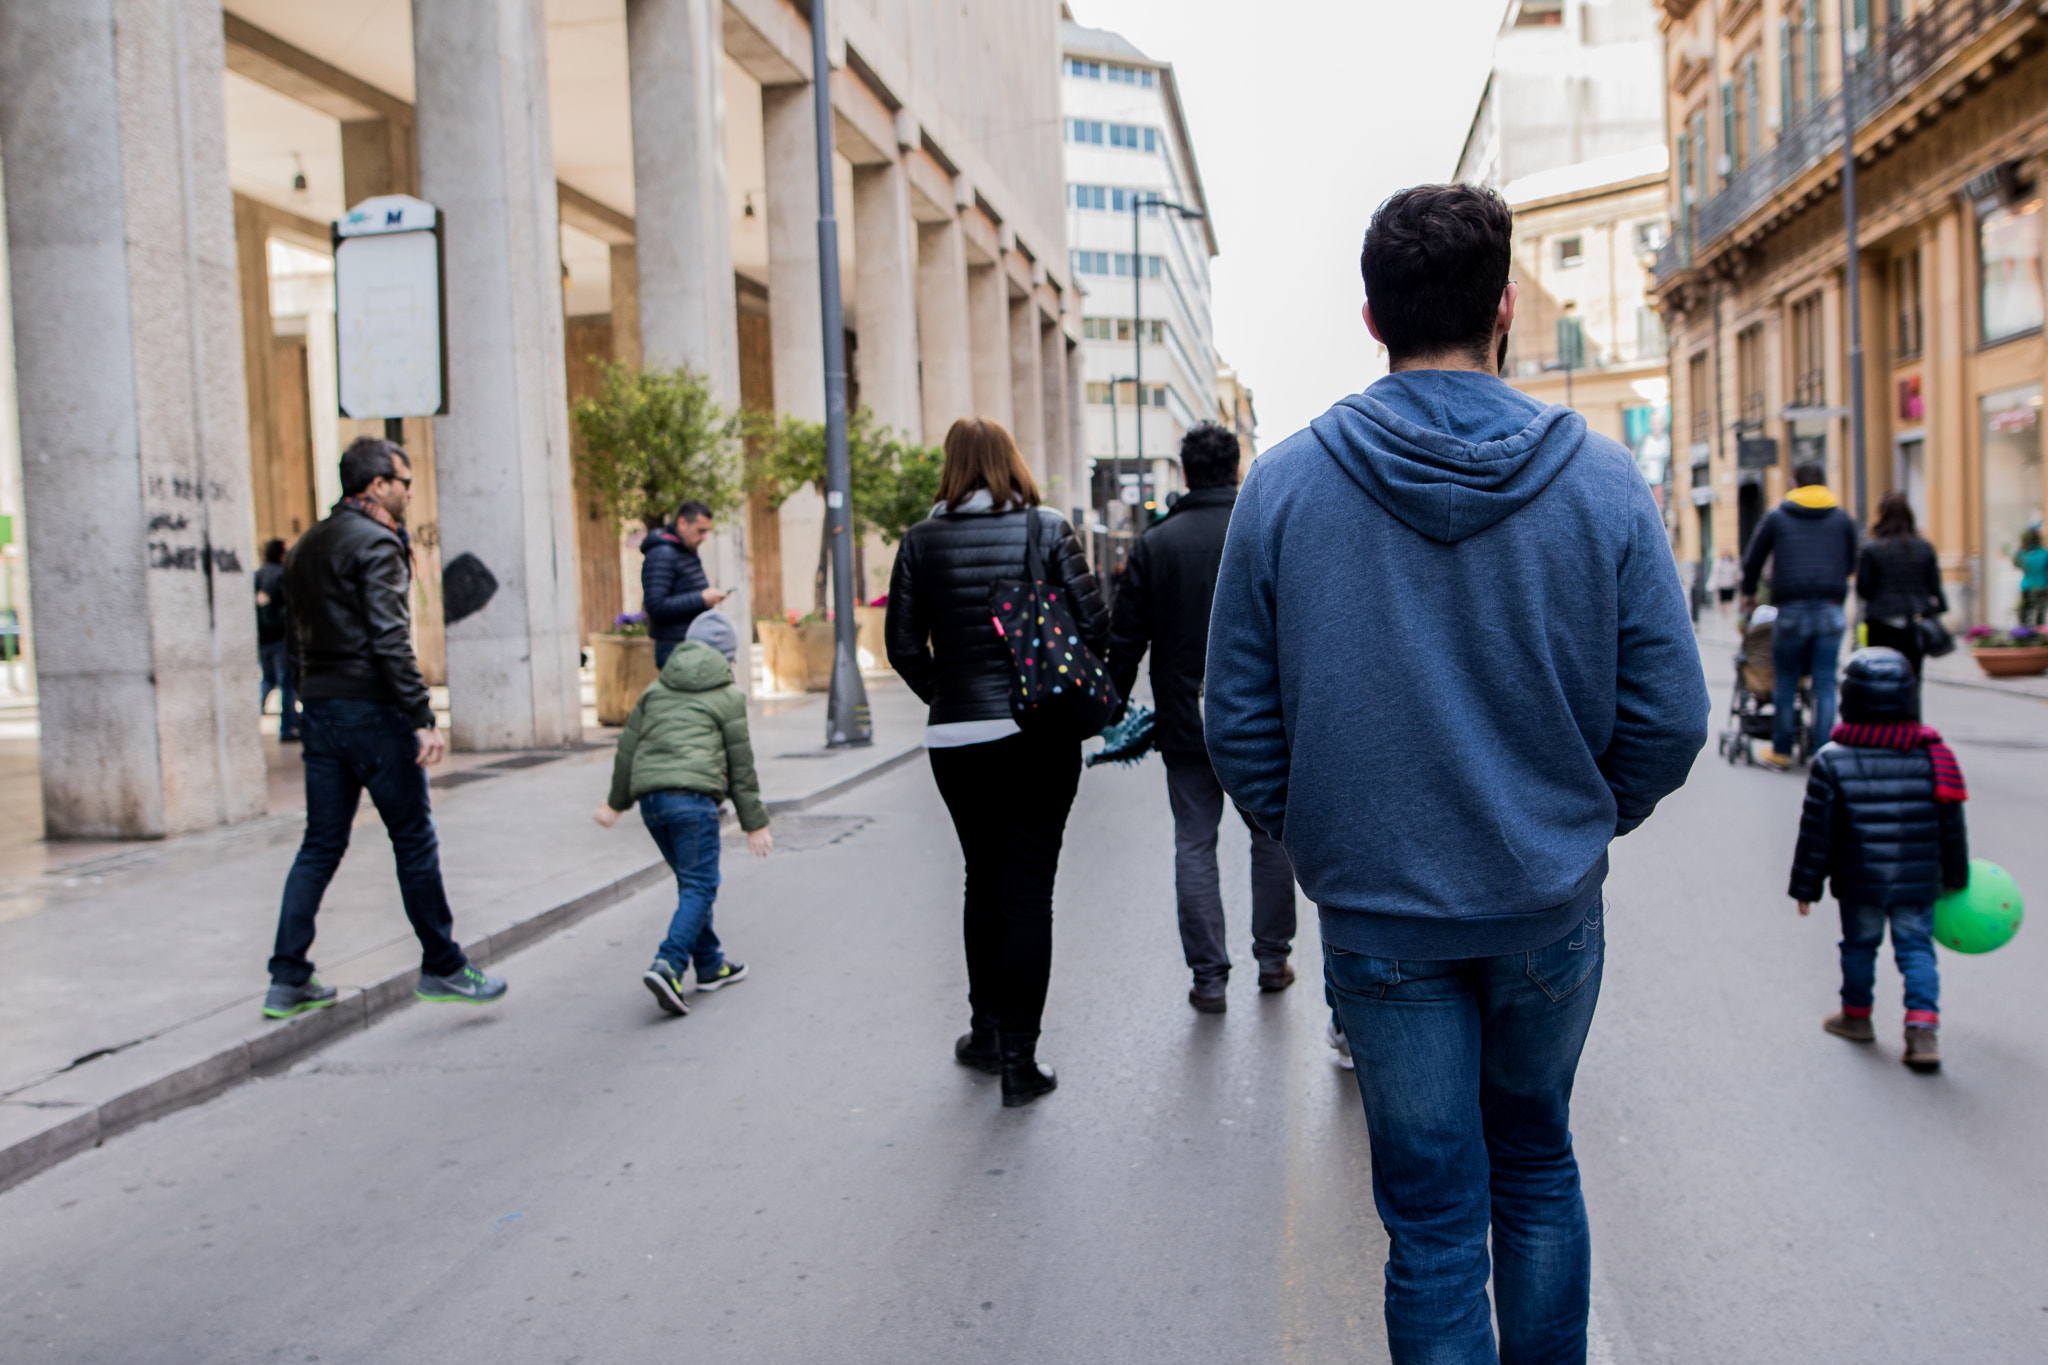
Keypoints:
pixel 672 584
pixel 1812 551
pixel 1449 661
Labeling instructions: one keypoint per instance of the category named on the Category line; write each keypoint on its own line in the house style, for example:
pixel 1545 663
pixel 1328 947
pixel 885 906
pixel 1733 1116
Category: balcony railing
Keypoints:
pixel 1897 59
pixel 1523 366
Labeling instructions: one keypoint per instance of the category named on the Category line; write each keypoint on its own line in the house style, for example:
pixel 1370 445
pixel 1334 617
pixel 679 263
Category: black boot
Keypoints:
pixel 978 1048
pixel 1024 1080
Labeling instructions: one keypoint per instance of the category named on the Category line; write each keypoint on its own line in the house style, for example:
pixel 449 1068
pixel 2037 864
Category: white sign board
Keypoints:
pixel 389 333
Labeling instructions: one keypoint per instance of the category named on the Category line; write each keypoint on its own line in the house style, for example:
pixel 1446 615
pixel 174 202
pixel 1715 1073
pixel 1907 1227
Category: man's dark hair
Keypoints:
pixel 1809 472
pixel 368 459
pixel 273 552
pixel 1209 455
pixel 691 510
pixel 1436 263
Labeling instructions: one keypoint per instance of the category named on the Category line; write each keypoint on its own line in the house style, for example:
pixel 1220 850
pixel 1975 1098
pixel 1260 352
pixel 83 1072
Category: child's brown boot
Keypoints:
pixel 1923 1049
pixel 1855 1027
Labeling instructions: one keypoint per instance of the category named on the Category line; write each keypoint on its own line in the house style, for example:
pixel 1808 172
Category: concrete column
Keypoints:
pixel 988 308
pixel 885 296
pixel 1052 399
pixel 377 157
pixel 134 440
pixel 625 265
pixel 1027 406
pixel 942 331
pixel 503 449
pixel 796 326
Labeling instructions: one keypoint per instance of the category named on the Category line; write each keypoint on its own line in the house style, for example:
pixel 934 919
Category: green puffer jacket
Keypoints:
pixel 688 732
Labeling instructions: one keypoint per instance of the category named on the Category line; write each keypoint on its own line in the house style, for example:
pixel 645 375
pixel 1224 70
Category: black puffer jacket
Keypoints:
pixel 1873 826
pixel 1899 576
pixel 347 580
pixel 1164 600
pixel 672 584
pixel 940 634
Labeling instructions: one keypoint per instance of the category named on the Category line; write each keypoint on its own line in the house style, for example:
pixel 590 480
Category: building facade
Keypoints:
pixel 1949 99
pixel 1147 335
pixel 630 180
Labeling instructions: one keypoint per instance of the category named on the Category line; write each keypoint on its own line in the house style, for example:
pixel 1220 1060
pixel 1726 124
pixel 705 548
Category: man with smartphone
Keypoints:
pixel 674 589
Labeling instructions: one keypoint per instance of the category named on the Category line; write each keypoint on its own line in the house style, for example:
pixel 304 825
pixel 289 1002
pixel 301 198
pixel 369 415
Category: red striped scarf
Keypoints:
pixel 1905 734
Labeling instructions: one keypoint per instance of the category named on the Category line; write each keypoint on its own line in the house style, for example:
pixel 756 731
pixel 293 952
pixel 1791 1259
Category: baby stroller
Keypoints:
pixel 1752 712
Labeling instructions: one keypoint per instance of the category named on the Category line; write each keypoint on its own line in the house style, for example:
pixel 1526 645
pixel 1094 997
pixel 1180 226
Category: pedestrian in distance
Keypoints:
pixel 1727 578
pixel 673 586
pixel 1007 789
pixel 1450 661
pixel 685 748
pixel 273 651
pixel 1169 583
pixel 1810 544
pixel 367 724
pixel 1898 579
pixel 2031 559
pixel 1884 822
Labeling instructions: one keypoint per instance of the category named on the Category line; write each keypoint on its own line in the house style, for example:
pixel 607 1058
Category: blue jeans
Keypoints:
pixel 277 676
pixel 1912 949
pixel 1466 1070
pixel 662 649
pixel 1807 641
pixel 685 829
pixel 352 747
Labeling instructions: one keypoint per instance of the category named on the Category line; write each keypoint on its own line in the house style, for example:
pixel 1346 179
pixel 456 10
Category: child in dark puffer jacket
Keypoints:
pixel 1884 821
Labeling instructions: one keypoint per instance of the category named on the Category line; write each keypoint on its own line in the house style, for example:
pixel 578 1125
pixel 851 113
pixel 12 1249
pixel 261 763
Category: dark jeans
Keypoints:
pixel 685 829
pixel 277 677
pixel 1009 801
pixel 662 649
pixel 1197 799
pixel 1805 642
pixel 1466 1071
pixel 1912 949
pixel 351 747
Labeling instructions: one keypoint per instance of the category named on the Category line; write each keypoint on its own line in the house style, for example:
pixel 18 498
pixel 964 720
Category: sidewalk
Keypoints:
pixel 1957 670
pixel 130 978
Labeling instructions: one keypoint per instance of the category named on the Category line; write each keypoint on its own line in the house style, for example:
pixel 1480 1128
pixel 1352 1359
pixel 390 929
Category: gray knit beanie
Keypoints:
pixel 716 629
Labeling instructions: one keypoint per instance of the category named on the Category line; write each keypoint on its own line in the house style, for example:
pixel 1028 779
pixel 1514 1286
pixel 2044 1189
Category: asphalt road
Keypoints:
pixel 799 1173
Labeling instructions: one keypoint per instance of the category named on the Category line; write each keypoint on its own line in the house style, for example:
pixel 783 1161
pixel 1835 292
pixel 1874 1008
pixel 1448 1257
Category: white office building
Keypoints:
pixel 1147 336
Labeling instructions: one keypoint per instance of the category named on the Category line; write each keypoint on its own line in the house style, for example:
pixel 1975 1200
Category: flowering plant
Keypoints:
pixel 2016 637
pixel 630 623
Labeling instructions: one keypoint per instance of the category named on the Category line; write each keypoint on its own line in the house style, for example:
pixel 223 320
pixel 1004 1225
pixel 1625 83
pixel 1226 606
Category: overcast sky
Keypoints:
pixel 1305 114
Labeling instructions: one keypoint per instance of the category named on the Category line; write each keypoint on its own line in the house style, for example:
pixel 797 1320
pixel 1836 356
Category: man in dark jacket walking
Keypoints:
pixel 273 624
pixel 1449 662
pixel 1163 602
pixel 1811 545
pixel 674 589
pixel 367 725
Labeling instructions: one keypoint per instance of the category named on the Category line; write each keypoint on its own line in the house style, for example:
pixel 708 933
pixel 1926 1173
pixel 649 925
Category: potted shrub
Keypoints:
pixel 647 440
pixel 797 653
pixel 2018 652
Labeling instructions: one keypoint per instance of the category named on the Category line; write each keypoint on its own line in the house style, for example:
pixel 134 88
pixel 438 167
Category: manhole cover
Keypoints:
pixel 801 833
pixel 461 779
pixel 524 761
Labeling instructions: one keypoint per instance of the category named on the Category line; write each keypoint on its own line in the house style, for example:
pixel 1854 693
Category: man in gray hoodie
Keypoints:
pixel 1449 662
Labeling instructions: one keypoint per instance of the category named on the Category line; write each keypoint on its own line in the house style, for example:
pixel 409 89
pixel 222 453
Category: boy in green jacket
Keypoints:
pixel 685 747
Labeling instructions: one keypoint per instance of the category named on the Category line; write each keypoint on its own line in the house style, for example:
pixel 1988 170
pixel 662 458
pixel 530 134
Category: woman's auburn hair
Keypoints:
pixel 981 454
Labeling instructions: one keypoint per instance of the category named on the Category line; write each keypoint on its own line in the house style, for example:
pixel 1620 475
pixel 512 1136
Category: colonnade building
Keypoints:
pixel 629 180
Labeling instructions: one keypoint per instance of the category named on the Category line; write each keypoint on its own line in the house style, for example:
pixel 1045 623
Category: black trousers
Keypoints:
pixel 1009 801
pixel 1906 641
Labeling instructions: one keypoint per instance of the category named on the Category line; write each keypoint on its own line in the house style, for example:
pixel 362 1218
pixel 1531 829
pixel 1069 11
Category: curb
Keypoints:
pixel 281 1045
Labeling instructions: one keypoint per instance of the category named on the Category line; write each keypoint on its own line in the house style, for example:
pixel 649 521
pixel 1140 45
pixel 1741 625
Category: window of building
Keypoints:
pixel 1650 341
pixel 1700 398
pixel 1798 59
pixel 1155 394
pixel 1809 354
pixel 1119 329
pixel 1084 130
pixel 1748 111
pixel 1649 236
pixel 1729 133
pixel 1131 75
pixel 1749 373
pixel 1131 136
pixel 1087 71
pixel 1087 196
pixel 1906 296
pixel 1540 13
pixel 1571 252
pixel 2009 268
pixel 1571 343
pixel 1092 263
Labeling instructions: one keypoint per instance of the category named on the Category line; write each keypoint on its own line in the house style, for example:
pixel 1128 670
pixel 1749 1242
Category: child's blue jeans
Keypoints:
pixel 1912 948
pixel 685 828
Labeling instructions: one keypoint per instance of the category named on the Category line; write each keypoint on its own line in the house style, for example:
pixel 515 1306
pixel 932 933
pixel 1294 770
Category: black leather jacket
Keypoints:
pixel 351 637
pixel 1899 576
pixel 1164 600
pixel 1872 824
pixel 940 634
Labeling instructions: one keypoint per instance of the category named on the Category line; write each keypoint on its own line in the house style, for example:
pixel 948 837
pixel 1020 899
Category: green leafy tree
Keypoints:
pixel 648 439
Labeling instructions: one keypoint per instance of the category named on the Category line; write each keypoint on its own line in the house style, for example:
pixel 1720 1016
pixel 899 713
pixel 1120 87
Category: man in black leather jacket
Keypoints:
pixel 1163 602
pixel 1884 821
pixel 367 724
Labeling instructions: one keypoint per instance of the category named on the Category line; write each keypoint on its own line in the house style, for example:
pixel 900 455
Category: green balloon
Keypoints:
pixel 1983 915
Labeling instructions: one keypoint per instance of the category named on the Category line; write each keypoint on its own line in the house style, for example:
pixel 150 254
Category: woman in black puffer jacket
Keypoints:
pixel 1008 791
pixel 1899 580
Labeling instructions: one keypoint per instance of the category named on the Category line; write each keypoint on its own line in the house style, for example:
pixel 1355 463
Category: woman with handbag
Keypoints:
pixel 1003 736
pixel 1898 579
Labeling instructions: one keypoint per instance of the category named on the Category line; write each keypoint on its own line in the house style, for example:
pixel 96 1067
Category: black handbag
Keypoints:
pixel 1935 640
pixel 1058 688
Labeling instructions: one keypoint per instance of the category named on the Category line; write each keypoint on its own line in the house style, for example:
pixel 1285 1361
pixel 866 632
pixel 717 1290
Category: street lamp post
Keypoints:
pixel 1116 463
pixel 1138 203
pixel 1853 276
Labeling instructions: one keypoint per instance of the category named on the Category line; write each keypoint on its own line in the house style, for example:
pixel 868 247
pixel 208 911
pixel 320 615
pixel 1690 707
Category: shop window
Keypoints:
pixel 2009 268
pixel 2011 428
pixel 1571 252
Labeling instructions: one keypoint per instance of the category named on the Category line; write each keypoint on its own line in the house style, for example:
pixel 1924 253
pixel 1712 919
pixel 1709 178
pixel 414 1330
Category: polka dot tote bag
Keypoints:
pixel 1057 685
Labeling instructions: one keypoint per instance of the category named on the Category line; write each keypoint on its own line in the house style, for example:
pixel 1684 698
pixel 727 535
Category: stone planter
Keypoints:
pixel 624 665
pixel 2028 662
pixel 868 636
pixel 797 658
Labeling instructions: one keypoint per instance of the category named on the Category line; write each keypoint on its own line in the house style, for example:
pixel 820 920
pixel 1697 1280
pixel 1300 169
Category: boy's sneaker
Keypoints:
pixel 665 983
pixel 468 986
pixel 1335 1034
pixel 728 972
pixel 1856 1028
pixel 1923 1049
pixel 285 1001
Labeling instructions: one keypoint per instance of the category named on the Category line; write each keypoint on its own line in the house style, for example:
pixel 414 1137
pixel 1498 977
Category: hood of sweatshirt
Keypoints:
pixel 1449 452
pixel 695 667
pixel 1812 500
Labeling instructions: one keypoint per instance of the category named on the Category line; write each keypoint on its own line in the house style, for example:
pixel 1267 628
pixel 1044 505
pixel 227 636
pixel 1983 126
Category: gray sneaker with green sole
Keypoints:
pixel 468 987
pixel 285 1001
